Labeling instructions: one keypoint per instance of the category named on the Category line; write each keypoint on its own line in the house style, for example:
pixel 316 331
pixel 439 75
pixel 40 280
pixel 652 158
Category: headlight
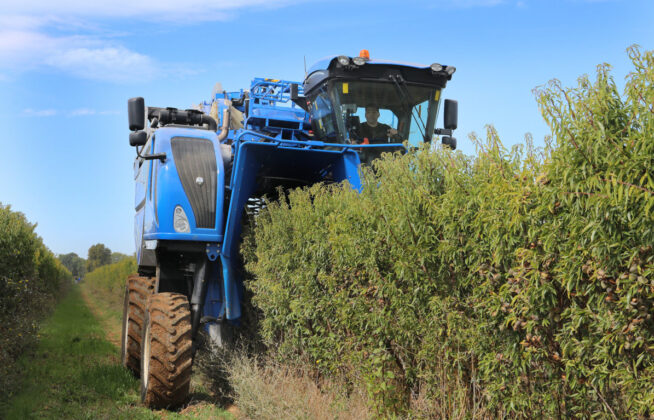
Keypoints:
pixel 450 70
pixel 359 61
pixel 343 60
pixel 436 67
pixel 180 221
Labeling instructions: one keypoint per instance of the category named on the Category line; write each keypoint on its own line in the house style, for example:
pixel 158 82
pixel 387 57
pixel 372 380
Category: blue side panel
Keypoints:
pixel 138 234
pixel 214 304
pixel 274 160
pixel 141 178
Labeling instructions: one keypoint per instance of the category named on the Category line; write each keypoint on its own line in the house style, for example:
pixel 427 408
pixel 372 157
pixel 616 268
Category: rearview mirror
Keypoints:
pixel 136 114
pixel 138 138
pixel 451 114
pixel 449 142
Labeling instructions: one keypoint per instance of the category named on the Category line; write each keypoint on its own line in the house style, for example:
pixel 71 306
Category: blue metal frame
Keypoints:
pixel 159 188
pixel 271 109
pixel 249 155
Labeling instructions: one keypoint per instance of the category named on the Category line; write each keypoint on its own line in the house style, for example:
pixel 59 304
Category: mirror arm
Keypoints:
pixel 301 101
pixel 443 132
pixel 161 156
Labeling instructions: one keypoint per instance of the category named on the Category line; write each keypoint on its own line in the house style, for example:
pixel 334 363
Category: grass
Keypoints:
pixel 107 307
pixel 75 373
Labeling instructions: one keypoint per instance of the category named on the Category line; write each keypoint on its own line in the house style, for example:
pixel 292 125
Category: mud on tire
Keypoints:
pixel 166 354
pixel 137 291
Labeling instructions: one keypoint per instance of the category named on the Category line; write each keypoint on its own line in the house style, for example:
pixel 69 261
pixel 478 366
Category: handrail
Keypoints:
pixel 309 144
pixel 283 95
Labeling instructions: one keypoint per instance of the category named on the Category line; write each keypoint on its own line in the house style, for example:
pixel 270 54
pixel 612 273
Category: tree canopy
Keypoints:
pixel 117 257
pixel 74 263
pixel 99 255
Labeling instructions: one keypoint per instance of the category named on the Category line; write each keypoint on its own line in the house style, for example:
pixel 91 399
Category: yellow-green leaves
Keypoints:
pixel 516 279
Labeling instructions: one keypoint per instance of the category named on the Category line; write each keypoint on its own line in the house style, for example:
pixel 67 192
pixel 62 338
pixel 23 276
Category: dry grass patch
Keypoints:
pixel 270 391
pixel 261 388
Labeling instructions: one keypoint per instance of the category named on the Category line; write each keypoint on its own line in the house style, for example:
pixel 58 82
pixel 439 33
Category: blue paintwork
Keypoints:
pixel 213 251
pixel 155 219
pixel 270 109
pixel 141 177
pixel 214 303
pixel 287 150
pixel 283 158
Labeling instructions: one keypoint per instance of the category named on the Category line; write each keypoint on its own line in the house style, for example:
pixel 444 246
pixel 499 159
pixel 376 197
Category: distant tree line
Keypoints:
pixel 98 255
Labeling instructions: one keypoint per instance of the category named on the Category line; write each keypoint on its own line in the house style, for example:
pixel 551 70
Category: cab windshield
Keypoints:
pixel 357 112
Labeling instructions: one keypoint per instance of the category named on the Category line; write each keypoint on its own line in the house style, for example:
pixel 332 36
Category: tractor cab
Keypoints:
pixel 372 102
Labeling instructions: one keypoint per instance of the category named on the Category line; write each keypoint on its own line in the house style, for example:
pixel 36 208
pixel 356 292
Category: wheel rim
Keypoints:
pixel 145 362
pixel 126 335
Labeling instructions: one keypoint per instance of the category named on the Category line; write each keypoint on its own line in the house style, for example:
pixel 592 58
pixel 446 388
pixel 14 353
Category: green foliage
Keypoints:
pixel 74 263
pixel 31 278
pixel 526 274
pixel 112 277
pixel 75 373
pixel 99 255
pixel 117 256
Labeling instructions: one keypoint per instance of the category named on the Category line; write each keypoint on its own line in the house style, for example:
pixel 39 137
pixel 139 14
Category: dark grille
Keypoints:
pixel 196 158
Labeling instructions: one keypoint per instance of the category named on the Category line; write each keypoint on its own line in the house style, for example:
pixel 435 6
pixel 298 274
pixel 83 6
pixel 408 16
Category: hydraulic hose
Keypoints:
pixel 199 294
pixel 226 121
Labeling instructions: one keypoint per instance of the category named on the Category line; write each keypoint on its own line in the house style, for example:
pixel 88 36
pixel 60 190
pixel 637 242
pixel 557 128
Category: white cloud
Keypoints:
pixel 81 56
pixel 27 44
pixel 114 64
pixel 143 10
pixel 83 112
pixel 19 47
pixel 64 35
pixel 29 112
pixel 464 4
pixel 79 112
pixel 478 3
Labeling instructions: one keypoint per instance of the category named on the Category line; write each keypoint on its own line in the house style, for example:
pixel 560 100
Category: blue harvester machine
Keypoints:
pixel 198 171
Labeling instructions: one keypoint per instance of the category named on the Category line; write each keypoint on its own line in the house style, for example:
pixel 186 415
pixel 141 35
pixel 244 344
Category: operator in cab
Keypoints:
pixel 373 130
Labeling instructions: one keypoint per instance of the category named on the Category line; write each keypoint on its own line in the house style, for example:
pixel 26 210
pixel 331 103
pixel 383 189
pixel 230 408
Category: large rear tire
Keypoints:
pixel 137 290
pixel 166 353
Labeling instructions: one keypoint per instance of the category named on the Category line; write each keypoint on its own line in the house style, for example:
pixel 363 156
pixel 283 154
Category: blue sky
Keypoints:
pixel 68 67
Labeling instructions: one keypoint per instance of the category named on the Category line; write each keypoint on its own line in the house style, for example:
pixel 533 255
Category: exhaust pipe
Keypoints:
pixel 226 117
pixel 175 116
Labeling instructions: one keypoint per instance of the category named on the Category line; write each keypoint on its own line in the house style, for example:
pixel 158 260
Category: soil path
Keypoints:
pixel 105 315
